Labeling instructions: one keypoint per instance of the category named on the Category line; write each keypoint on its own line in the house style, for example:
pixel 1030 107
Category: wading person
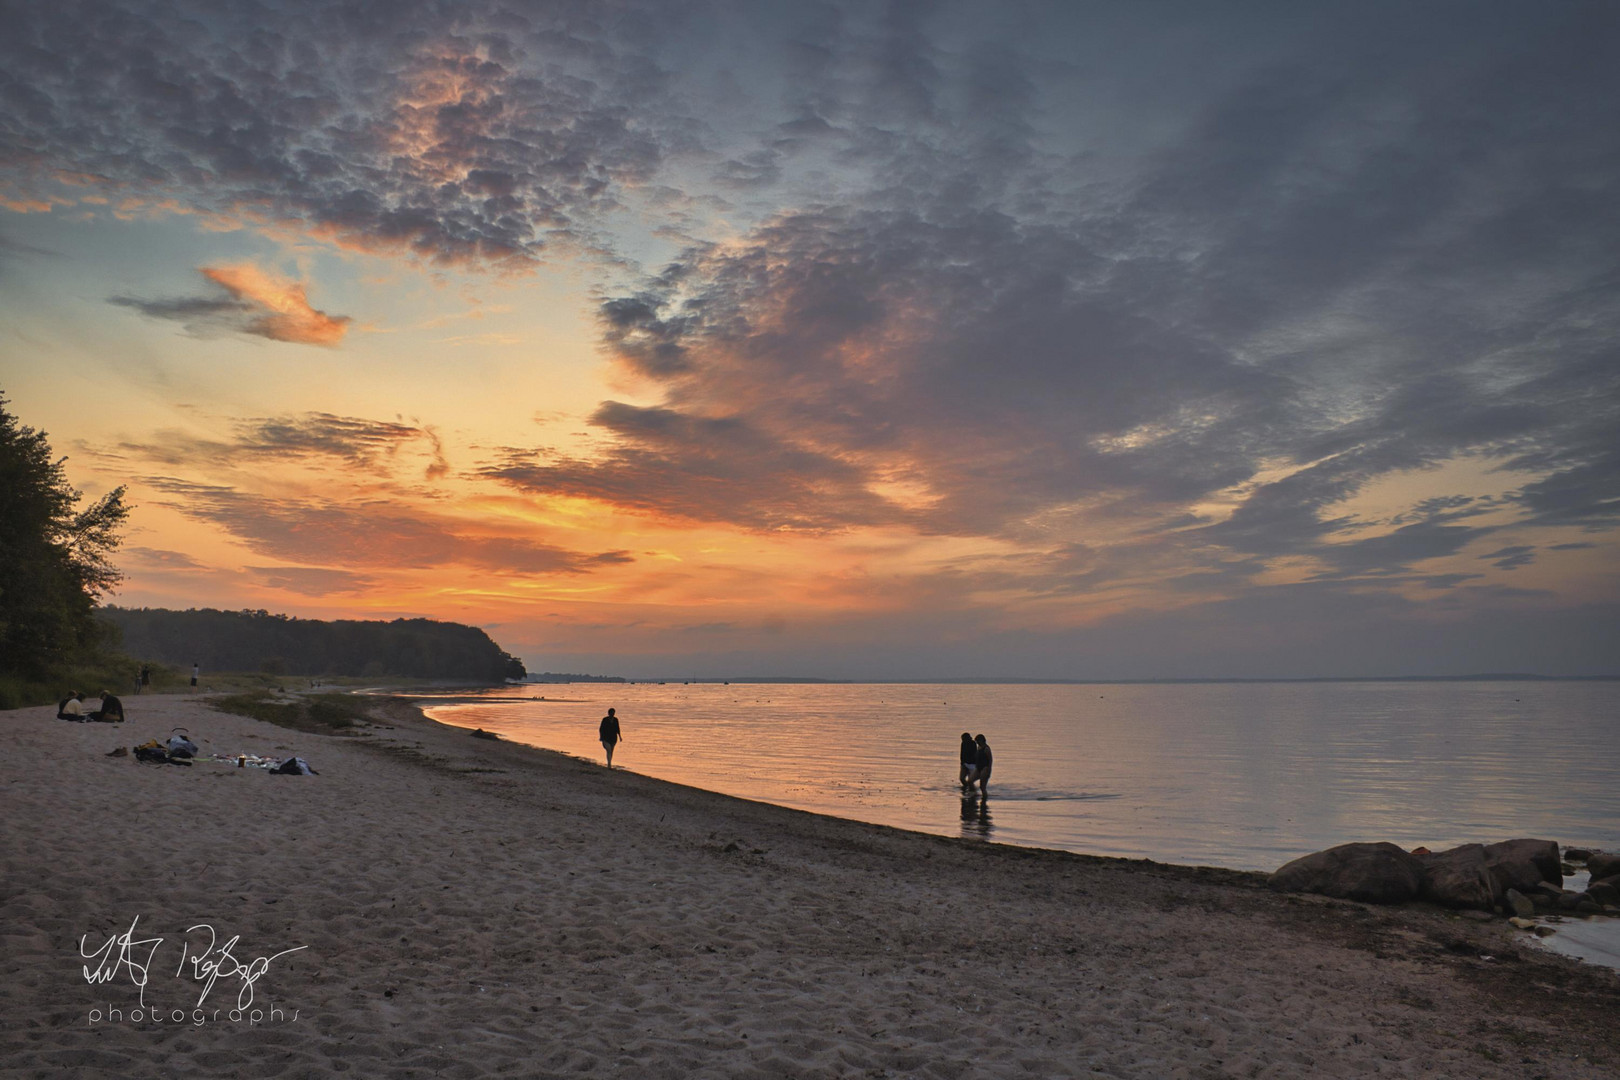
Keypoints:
pixel 610 734
pixel 982 761
pixel 970 759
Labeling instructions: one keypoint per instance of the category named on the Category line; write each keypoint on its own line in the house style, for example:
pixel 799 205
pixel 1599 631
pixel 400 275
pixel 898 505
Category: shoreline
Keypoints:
pixel 471 906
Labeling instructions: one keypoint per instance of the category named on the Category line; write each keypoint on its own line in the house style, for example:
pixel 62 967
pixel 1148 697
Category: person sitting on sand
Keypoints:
pixel 71 707
pixel 981 763
pixel 610 735
pixel 970 758
pixel 111 711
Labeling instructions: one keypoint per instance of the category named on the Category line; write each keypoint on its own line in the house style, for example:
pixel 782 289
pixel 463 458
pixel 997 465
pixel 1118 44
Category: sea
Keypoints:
pixel 1245 775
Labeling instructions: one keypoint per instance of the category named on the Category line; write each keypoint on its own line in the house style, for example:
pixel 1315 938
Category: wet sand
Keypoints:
pixel 471 908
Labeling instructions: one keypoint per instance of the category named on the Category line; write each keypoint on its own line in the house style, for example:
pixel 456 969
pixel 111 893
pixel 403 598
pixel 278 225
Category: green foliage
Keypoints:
pixel 92 671
pixel 55 562
pixel 320 714
pixel 257 641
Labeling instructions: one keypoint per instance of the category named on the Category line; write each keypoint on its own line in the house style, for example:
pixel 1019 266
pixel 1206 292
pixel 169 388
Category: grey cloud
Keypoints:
pixel 313 580
pixel 355 441
pixel 363 534
pixel 1512 557
pixel 159 559
pixel 475 134
pixel 1341 264
pixel 703 468
pixel 1448 581
pixel 246 302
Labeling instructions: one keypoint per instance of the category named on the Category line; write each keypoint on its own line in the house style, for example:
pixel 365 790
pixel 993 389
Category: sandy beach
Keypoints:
pixel 465 908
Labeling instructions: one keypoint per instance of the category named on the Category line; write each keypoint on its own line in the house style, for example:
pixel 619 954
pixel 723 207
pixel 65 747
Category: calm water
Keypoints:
pixel 1238 775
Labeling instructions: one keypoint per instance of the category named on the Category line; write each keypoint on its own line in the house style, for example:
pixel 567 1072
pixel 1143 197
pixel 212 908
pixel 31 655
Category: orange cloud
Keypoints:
pixel 284 313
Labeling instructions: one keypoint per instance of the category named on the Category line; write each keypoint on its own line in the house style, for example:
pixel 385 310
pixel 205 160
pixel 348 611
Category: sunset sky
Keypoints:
pixel 858 340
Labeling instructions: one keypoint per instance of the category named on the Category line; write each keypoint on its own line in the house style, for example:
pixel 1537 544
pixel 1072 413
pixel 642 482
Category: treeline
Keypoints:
pixel 281 644
pixel 55 562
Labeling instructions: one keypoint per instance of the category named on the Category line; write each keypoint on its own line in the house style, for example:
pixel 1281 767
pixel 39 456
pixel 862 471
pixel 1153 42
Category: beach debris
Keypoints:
pixel 480 733
pixel 294 766
pixel 1523 923
pixel 121 751
pixel 180 744
pixel 152 752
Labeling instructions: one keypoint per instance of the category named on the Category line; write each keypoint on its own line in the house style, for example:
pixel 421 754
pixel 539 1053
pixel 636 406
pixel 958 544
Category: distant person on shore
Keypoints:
pixel 611 736
pixel 71 707
pixel 982 761
pixel 145 679
pixel 970 759
pixel 196 673
pixel 111 711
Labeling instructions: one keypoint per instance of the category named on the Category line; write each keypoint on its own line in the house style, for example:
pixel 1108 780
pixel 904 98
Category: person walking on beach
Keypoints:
pixel 196 670
pixel 610 734
pixel 970 759
pixel 981 763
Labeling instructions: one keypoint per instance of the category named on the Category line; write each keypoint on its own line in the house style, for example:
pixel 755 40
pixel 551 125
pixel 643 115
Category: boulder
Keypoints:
pixel 1603 893
pixel 1520 903
pixel 1458 878
pixel 1579 854
pixel 1523 864
pixel 1523 923
pixel 1602 865
pixel 1373 873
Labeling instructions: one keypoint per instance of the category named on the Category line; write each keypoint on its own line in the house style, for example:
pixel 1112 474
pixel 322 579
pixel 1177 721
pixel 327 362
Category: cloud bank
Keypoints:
pixel 1279 310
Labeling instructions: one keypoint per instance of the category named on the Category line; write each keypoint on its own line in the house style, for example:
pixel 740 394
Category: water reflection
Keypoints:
pixel 1241 775
pixel 976 815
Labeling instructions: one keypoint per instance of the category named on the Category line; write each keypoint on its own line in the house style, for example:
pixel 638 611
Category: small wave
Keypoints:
pixel 1015 793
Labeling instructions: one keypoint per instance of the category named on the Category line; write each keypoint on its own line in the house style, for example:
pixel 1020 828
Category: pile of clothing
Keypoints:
pixel 179 750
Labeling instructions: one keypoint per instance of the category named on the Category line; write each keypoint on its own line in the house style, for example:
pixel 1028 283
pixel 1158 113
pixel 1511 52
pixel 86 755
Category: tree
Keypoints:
pixel 55 560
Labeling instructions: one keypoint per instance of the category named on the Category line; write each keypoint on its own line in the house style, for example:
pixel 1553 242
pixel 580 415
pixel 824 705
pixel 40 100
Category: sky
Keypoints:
pixel 841 340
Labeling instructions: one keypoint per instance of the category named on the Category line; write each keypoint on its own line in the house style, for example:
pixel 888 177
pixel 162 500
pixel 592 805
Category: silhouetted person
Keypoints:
pixel 145 680
pixel 196 672
pixel 111 711
pixel 981 763
pixel 970 758
pixel 71 707
pixel 610 734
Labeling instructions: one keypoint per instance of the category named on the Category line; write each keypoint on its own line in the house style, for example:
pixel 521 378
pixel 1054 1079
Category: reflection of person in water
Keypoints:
pixel 970 757
pixel 610 735
pixel 975 814
pixel 981 764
